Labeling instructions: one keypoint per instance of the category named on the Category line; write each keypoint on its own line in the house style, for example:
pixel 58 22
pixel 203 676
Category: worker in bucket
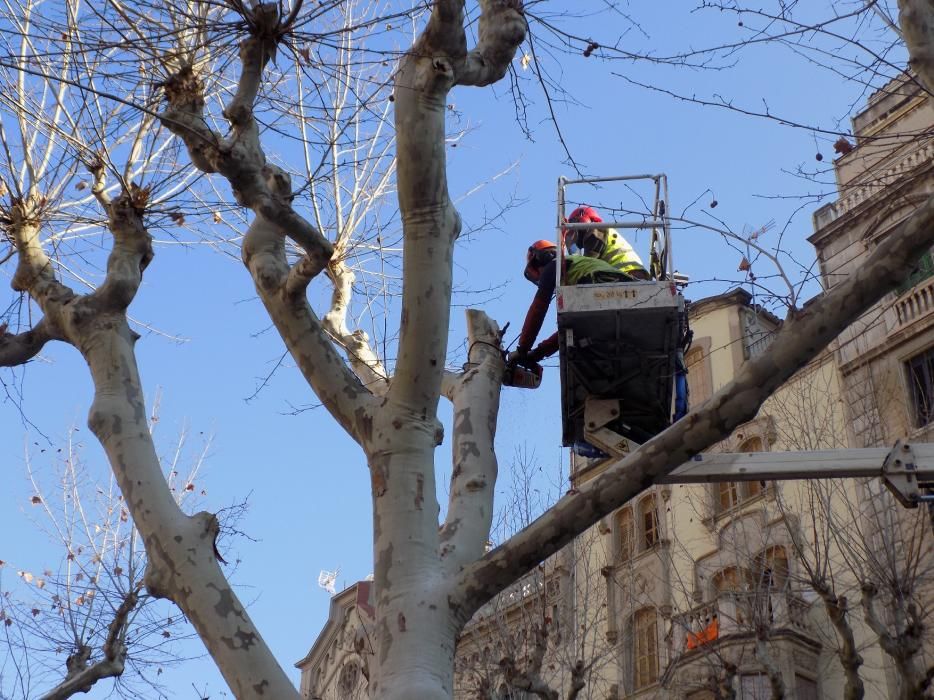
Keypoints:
pixel 607 244
pixel 541 270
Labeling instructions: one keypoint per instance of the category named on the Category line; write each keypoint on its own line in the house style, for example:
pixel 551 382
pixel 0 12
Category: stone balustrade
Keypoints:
pixel 856 194
pixel 733 615
pixel 914 304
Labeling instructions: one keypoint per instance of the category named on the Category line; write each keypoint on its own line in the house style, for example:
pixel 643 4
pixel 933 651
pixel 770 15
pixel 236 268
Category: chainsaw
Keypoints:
pixel 527 375
pixel 522 377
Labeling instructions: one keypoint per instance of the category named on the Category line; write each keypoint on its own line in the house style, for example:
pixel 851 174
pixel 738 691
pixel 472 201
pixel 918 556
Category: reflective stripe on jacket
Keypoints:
pixel 619 253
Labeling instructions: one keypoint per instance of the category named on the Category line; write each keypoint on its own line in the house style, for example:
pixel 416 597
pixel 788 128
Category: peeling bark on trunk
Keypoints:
pixel 415 659
pixel 475 395
pixel 415 633
pixel 182 565
pixel 916 18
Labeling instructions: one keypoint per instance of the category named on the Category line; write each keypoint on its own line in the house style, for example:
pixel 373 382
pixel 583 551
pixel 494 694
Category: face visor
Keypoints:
pixel 532 274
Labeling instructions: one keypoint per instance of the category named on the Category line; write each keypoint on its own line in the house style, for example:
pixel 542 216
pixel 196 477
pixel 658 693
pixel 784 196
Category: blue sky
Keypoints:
pixel 306 481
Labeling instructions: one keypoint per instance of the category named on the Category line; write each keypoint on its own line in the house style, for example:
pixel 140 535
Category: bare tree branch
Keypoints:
pixel 19 348
pixel 82 677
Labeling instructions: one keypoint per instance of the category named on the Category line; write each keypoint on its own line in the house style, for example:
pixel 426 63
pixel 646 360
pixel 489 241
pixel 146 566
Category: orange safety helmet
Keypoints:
pixel 540 253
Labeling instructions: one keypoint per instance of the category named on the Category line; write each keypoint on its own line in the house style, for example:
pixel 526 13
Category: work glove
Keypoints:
pixel 519 357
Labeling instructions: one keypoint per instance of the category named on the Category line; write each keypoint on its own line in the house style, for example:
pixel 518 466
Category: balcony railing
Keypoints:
pixel 890 175
pixel 733 615
pixel 855 195
pixel 914 304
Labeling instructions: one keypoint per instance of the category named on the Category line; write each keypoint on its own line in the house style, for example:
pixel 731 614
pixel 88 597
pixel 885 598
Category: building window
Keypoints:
pixel 920 272
pixel 753 488
pixel 771 579
pixel 733 583
pixel 697 361
pixel 756 336
pixel 772 568
pixel 645 648
pixel 627 535
pixel 755 687
pixel 649 514
pixel 730 494
pixel 805 688
pixel 350 675
pixel 733 579
pixel 921 384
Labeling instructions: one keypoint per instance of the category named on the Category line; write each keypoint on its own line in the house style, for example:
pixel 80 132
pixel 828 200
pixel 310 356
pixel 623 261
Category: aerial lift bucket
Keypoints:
pixel 621 344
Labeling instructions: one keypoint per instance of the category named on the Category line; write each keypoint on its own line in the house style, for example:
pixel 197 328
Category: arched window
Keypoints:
pixel 645 648
pixel 772 569
pixel 734 583
pixel 729 494
pixel 732 579
pixel 627 534
pixel 697 361
pixel 318 676
pixel 752 489
pixel 347 682
pixel 648 514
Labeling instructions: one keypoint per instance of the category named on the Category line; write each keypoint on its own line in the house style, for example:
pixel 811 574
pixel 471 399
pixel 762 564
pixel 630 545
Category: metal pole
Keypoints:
pixel 618 178
pixel 558 232
pixel 666 227
pixel 645 223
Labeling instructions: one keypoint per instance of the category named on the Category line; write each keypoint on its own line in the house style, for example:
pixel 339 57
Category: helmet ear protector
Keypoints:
pixel 537 257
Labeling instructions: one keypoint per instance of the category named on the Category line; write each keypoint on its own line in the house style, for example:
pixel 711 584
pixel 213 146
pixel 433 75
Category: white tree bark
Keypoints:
pixel 416 625
pixel 475 395
pixel 916 18
pixel 180 548
pixel 399 431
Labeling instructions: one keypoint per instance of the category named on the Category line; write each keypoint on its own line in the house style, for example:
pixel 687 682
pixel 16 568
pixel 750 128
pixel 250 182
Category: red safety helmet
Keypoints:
pixel 540 253
pixel 585 215
pixel 581 215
